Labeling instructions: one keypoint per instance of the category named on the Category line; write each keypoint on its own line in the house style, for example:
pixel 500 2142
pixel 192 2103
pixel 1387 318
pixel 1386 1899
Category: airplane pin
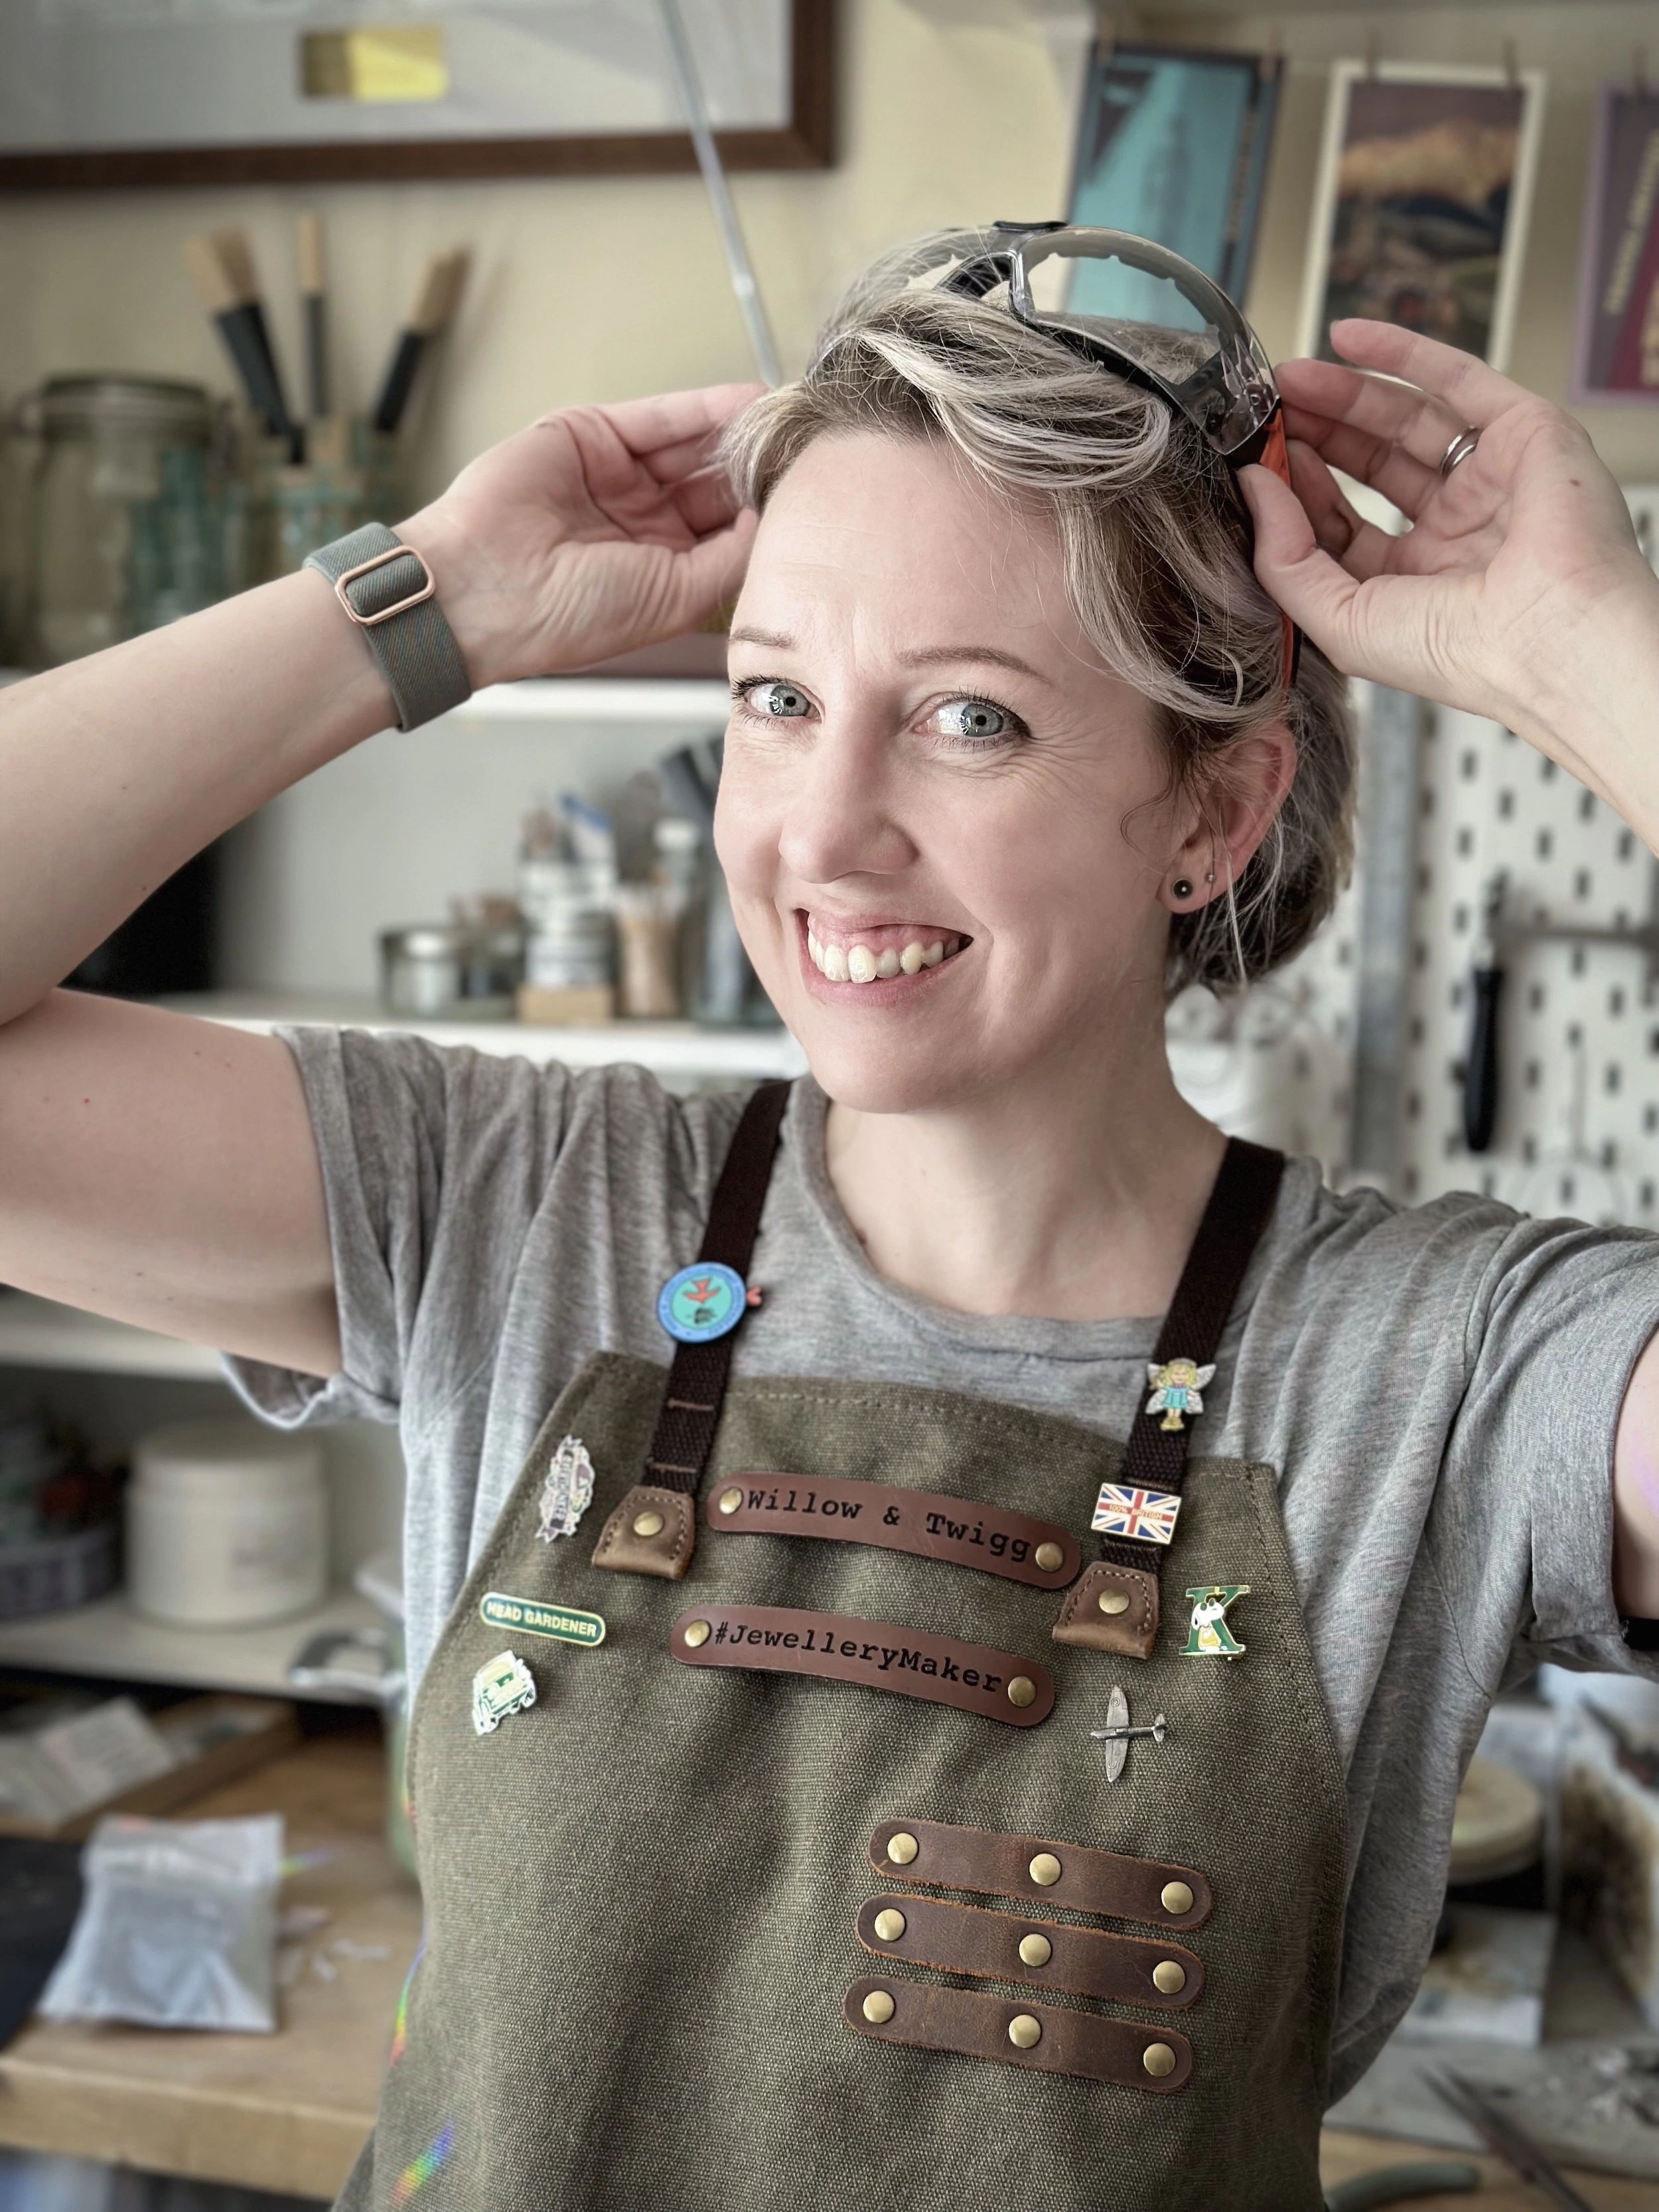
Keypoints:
pixel 1117 1734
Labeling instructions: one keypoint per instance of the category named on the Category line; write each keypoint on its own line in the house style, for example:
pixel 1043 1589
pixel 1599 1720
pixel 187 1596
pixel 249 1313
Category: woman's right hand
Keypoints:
pixel 597 530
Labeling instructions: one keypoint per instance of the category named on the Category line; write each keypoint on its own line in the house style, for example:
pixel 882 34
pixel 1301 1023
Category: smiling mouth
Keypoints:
pixel 880 954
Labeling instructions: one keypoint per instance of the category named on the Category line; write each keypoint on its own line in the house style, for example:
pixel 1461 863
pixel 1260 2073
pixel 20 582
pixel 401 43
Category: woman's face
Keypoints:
pixel 926 780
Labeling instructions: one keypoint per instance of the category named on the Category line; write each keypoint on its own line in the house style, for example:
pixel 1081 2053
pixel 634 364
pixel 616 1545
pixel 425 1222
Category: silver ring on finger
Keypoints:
pixel 1459 450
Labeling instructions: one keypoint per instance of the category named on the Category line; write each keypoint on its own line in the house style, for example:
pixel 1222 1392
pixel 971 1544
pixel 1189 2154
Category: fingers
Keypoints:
pixel 1363 549
pixel 1477 395
pixel 1404 481
pixel 707 577
pixel 674 432
pixel 705 502
pixel 1314 589
pixel 1389 414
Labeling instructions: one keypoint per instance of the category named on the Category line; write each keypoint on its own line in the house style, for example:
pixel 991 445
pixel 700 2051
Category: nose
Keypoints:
pixel 841 816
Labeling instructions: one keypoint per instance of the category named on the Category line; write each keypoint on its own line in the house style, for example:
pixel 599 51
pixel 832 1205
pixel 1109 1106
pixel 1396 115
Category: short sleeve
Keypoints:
pixel 1561 1316
pixel 414 1142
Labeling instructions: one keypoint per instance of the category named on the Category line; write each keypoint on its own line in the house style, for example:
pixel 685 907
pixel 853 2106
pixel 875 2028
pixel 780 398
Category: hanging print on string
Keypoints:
pixel 1616 341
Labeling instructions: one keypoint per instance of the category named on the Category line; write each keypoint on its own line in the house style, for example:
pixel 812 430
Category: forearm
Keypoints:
pixel 115 769
pixel 1592 701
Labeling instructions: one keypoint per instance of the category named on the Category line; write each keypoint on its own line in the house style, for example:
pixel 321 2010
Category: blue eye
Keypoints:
pixel 779 699
pixel 972 718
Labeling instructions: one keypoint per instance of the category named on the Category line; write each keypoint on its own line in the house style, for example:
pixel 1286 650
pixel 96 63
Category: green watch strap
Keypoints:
pixel 402 623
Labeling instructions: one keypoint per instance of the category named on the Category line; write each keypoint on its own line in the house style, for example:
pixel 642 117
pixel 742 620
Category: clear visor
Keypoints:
pixel 1137 307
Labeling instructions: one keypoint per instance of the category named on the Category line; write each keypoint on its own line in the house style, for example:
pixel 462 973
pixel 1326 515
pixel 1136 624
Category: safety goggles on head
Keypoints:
pixel 1162 325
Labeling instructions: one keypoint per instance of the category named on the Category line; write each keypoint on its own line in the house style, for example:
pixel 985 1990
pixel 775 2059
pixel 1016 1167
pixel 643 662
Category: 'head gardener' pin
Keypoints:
pixel 701 1303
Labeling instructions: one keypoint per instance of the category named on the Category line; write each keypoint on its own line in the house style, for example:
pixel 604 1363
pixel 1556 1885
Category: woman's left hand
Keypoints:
pixel 1517 593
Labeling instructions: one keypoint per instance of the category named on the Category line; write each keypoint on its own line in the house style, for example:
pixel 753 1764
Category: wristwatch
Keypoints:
pixel 387 590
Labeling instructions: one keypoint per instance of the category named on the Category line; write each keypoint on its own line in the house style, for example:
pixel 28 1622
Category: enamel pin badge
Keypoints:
pixel 1117 1735
pixel 501 1685
pixel 1209 1637
pixel 1177 1390
pixel 568 1491
pixel 702 1302
pixel 1122 1510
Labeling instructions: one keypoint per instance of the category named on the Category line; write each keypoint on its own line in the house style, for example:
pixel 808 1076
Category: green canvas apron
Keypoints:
pixel 708 1931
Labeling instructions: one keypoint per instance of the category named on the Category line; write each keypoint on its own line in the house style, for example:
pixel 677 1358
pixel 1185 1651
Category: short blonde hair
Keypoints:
pixel 1155 545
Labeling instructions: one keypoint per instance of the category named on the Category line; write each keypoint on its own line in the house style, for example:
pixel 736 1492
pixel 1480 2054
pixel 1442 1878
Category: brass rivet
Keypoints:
pixel 879 2007
pixel 1114 1601
pixel 1158 2060
pixel 902 1848
pixel 696 1633
pixel 1170 1976
pixel 1045 1869
pixel 1036 1950
pixel 730 1500
pixel 890 1926
pixel 648 1524
pixel 1048 1557
pixel 1176 1896
pixel 1022 1692
pixel 1025 2030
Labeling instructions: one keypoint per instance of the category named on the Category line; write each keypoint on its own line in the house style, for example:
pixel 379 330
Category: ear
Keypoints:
pixel 1248 785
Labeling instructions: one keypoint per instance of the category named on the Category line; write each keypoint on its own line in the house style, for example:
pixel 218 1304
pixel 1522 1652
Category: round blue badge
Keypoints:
pixel 701 1303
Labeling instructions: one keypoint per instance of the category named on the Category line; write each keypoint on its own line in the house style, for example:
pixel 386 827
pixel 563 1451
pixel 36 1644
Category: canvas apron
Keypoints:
pixel 707 1931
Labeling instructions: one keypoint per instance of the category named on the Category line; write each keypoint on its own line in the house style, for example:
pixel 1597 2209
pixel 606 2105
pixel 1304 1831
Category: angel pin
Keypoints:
pixel 1177 1389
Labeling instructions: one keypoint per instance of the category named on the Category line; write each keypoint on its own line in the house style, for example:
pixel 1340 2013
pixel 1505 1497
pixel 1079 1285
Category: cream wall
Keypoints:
pixel 581 290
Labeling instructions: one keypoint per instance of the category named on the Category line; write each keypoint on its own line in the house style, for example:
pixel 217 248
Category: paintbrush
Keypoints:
pixel 229 292
pixel 313 308
pixel 434 303
pixel 236 258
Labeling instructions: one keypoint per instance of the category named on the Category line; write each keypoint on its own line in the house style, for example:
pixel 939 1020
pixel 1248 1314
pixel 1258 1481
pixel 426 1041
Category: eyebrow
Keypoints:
pixel 928 656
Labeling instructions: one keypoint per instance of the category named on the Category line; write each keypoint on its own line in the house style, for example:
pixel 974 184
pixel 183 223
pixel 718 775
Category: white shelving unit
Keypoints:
pixel 601 699
pixel 38 1333
pixel 109 1639
pixel 667 1049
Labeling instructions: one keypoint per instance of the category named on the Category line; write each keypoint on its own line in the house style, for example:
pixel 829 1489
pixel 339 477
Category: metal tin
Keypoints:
pixel 452 971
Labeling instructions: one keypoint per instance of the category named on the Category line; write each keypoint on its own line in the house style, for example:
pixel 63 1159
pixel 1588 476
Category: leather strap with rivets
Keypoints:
pixel 986 1863
pixel 877 1655
pixel 923 1522
pixel 1016 2032
pixel 1004 1946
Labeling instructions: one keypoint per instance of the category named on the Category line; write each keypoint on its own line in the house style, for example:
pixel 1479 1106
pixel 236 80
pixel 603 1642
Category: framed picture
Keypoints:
pixel 115 93
pixel 1420 211
pixel 1616 338
pixel 1172 145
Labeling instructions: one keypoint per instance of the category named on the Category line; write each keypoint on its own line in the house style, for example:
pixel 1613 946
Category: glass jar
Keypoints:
pixel 131 518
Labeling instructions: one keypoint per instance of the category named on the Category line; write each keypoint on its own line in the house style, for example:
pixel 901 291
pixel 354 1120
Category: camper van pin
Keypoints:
pixel 568 1491
pixel 1177 1389
pixel 501 1685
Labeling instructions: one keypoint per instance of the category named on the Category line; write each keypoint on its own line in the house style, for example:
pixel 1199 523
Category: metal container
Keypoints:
pixel 132 520
pixel 452 971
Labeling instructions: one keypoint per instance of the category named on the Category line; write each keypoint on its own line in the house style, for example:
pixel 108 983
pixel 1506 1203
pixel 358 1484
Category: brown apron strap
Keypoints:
pixel 696 1381
pixel 1241 1206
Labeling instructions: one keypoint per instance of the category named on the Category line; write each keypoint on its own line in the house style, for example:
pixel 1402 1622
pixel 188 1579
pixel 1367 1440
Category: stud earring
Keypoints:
pixel 1182 887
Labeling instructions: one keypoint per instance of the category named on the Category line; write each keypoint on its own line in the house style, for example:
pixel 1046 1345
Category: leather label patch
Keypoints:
pixel 879 1655
pixel 1006 1946
pixel 1113 1609
pixel 989 1864
pixel 1015 2032
pixel 923 1522
pixel 652 1532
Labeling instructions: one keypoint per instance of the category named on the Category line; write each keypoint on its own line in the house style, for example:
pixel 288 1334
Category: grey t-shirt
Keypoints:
pixel 1438 1389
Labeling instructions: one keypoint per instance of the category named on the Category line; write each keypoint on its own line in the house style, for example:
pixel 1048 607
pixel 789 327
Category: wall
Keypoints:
pixel 581 290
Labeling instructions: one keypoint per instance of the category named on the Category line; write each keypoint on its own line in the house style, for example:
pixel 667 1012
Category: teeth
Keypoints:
pixel 857 964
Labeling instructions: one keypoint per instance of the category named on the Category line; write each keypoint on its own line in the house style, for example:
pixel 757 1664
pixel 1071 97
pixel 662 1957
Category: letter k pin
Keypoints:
pixel 1117 1735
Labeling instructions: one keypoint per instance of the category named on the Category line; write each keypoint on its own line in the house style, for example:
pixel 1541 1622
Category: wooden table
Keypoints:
pixel 289 2111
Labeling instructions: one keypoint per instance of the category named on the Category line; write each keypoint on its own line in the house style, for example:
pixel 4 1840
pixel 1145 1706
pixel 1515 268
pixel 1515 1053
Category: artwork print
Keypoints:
pixel 1420 216
pixel 1172 146
pixel 1616 344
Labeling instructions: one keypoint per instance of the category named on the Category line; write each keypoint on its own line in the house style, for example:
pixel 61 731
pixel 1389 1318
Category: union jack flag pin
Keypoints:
pixel 1148 1515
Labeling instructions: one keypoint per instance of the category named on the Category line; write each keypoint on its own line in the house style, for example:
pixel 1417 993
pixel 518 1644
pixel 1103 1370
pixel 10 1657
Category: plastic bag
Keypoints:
pixel 177 1927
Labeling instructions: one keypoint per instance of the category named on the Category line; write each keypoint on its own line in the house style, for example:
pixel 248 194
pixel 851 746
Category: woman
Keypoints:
pixel 1013 749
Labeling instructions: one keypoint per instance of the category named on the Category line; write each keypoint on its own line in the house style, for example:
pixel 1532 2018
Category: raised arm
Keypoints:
pixel 1519 594
pixel 161 1169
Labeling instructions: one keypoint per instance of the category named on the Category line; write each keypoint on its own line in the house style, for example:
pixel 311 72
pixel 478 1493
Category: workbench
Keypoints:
pixel 288 2112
